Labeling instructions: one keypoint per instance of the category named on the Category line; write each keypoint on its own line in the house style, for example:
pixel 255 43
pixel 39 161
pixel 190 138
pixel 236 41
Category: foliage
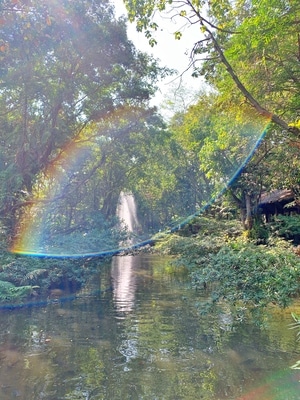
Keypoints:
pixel 296 324
pixel 287 226
pixel 73 81
pixel 68 73
pixel 86 238
pixel 214 133
pixel 214 144
pixel 240 47
pixel 11 293
pixel 244 273
pixel 14 268
pixel 85 242
pixel 44 274
pixel 259 233
pixel 275 56
pixel 192 250
pixel 234 267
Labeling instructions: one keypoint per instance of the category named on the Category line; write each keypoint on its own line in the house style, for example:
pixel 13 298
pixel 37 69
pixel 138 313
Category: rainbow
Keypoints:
pixel 282 385
pixel 30 237
pixel 30 233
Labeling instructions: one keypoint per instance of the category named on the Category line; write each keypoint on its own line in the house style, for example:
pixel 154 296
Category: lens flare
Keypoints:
pixel 103 193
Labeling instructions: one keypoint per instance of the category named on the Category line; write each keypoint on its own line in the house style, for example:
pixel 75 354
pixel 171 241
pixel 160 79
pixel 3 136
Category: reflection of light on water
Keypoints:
pixel 124 282
pixel 128 349
pixel 123 277
pixel 124 287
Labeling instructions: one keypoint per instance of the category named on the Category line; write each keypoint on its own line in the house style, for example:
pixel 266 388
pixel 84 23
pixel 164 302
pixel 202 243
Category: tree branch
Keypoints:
pixel 258 107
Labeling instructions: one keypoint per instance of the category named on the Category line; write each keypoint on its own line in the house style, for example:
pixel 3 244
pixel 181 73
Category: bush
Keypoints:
pixel 288 227
pixel 191 249
pixel 43 275
pixel 11 293
pixel 251 275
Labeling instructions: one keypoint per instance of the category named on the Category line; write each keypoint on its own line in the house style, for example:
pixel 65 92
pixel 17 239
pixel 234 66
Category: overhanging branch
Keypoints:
pixel 258 107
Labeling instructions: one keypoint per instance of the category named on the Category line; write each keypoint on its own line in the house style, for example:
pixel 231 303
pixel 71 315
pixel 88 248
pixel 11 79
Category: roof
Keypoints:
pixel 276 196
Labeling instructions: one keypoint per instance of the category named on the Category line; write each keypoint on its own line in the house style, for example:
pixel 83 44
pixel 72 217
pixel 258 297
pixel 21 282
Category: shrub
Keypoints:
pixel 250 274
pixel 288 227
pixel 11 293
pixel 46 274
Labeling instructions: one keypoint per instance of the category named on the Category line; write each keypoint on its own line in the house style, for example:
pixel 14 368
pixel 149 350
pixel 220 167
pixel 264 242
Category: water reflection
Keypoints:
pixel 123 273
pixel 158 347
pixel 124 283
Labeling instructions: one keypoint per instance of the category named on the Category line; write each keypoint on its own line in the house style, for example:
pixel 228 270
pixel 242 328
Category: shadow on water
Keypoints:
pixel 144 339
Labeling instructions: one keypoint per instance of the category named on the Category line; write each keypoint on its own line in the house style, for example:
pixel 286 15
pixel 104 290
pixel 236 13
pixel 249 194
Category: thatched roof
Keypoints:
pixel 276 196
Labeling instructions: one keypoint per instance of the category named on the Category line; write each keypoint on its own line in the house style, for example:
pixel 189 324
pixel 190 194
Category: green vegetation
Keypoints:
pixel 79 84
pixel 77 128
pixel 235 269
pixel 287 227
pixel 73 84
pixel 11 293
pixel 26 279
pixel 251 275
pixel 231 35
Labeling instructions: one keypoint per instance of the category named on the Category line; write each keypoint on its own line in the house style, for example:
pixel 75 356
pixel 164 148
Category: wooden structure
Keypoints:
pixel 278 202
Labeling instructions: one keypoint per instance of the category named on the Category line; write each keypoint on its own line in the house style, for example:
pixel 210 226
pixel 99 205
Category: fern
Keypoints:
pixel 10 292
pixel 34 276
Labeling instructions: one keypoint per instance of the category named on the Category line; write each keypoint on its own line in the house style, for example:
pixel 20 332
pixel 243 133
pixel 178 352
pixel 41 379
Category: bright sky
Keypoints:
pixel 172 53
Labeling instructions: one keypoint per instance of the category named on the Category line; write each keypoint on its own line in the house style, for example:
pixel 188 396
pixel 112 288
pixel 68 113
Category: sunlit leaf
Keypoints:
pixel 178 35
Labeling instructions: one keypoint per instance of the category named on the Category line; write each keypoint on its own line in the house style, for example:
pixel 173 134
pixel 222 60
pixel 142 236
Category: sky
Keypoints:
pixel 172 53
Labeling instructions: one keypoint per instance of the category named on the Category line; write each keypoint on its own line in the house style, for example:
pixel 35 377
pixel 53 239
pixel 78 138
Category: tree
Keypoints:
pixel 248 52
pixel 217 142
pixel 236 35
pixel 64 67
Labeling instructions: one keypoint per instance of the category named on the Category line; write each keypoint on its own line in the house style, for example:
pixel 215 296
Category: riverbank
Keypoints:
pixel 248 269
pixel 136 332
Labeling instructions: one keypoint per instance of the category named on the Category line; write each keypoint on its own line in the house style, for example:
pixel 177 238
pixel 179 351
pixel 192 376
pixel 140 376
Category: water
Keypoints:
pixel 143 337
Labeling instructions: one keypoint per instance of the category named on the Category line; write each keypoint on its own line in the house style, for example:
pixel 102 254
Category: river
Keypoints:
pixel 137 332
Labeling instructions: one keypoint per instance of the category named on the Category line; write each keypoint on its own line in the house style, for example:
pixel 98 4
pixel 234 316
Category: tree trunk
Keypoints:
pixel 248 221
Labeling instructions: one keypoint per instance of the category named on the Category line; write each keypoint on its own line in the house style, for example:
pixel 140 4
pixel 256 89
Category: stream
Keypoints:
pixel 137 332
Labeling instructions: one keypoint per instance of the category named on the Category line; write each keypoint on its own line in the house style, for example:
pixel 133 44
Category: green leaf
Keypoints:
pixel 178 35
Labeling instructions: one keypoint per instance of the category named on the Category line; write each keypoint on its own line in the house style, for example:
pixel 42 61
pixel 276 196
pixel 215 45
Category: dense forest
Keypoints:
pixel 74 87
